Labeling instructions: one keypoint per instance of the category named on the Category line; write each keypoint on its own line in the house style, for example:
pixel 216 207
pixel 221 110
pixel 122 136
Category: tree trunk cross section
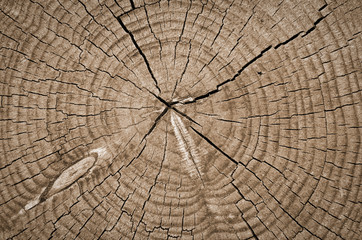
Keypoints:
pixel 178 119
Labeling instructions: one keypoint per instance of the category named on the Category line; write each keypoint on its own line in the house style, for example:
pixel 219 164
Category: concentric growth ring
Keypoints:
pixel 180 119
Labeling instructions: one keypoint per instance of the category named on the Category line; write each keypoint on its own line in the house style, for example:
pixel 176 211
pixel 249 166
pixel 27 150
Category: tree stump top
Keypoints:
pixel 140 119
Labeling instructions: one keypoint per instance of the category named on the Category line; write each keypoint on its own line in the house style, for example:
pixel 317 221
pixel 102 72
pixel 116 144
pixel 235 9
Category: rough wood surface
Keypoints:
pixel 180 119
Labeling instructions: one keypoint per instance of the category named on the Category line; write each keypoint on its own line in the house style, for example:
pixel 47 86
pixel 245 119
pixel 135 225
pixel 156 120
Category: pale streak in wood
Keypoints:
pixel 71 174
pixel 190 155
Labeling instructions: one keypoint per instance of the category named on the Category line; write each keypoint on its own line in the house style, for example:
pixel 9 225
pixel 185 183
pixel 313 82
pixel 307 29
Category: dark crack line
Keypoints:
pixel 231 79
pixel 183 72
pixel 299 33
pixel 139 50
pixel 288 40
pixel 139 154
pixel 315 24
pixel 244 67
pixel 184 115
pixel 182 32
pixel 234 161
pixel 222 23
pixel 280 205
pixel 203 96
pixel 155 123
pixel 207 64
pixel 213 145
pixel 242 214
pixel 255 59
pixel 169 106
pixel 161 99
pixel 132 4
pixel 242 29
pixel 250 228
pixel 161 166
pixel 153 33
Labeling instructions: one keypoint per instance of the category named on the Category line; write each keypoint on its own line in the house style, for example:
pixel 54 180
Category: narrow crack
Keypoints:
pixel 155 123
pixel 214 145
pixel 288 40
pixel 228 80
pixel 139 50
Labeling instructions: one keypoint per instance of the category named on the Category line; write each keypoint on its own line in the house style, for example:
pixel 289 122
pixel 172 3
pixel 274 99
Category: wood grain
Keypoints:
pixel 145 119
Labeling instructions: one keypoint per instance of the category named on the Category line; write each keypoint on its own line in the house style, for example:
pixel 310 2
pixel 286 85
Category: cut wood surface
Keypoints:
pixel 208 119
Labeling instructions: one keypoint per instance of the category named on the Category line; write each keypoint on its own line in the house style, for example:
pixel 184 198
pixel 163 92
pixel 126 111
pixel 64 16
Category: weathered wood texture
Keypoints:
pixel 180 119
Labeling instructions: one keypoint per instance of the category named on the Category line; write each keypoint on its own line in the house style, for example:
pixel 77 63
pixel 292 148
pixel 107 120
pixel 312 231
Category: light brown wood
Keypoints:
pixel 180 119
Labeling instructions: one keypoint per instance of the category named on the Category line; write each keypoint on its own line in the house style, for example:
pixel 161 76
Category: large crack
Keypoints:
pixel 218 87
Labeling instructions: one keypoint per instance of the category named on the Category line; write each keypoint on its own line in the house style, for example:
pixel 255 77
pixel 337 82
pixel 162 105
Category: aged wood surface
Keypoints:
pixel 180 119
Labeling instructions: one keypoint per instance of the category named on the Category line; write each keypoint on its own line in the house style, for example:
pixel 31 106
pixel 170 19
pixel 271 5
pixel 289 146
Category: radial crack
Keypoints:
pixel 155 123
pixel 132 4
pixel 230 79
pixel 215 146
pixel 140 51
